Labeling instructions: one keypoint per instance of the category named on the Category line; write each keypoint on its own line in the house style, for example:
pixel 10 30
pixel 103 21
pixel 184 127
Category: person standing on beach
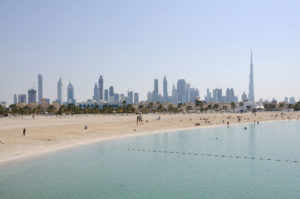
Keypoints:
pixel 24 131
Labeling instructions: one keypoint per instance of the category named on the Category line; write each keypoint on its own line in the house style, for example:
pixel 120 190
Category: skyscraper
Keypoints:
pixel 217 95
pixel 40 88
pixel 70 94
pixel 136 98
pixel 96 96
pixel 31 96
pixel 188 93
pixel 129 99
pixel 106 95
pixel 22 98
pixel 174 95
pixel 244 97
pixel 59 91
pixel 165 89
pixel 15 99
pixel 155 91
pixel 181 91
pixel 208 96
pixel 100 87
pixel 251 83
pixel 111 91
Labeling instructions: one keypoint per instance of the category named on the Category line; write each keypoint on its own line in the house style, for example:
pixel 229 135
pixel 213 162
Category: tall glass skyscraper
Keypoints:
pixel 59 91
pixel 165 89
pixel 251 83
pixel 70 94
pixel 100 87
pixel 40 88
pixel 31 96
pixel 155 91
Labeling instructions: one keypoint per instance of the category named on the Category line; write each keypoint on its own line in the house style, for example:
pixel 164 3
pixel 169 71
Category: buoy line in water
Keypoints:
pixel 210 155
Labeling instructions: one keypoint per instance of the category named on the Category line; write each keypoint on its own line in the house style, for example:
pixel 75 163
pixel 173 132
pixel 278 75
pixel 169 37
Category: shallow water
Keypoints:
pixel 203 163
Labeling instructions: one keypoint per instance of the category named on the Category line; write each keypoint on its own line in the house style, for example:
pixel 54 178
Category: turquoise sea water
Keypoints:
pixel 202 163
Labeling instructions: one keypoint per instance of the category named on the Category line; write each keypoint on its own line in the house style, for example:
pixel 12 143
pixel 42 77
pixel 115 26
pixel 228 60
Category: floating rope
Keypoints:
pixel 211 155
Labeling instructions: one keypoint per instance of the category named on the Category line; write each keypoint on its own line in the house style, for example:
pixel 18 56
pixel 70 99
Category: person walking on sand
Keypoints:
pixel 24 131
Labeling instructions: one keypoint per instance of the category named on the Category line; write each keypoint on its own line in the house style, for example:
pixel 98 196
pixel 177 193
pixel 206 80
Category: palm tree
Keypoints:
pixel 281 105
pixel 209 107
pixel 232 104
pixel 216 106
pixel 241 104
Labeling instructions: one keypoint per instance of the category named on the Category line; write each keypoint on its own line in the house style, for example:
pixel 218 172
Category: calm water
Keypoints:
pixel 121 169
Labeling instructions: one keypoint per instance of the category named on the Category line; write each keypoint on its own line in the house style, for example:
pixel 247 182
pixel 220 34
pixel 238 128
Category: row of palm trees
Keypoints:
pixel 144 108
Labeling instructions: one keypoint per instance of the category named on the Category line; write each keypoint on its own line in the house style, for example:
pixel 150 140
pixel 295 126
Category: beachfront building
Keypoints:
pixel 100 88
pixel 31 96
pixel 70 94
pixel 40 88
pixel 165 90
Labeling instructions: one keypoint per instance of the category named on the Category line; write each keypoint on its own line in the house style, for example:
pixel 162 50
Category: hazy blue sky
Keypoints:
pixel 130 43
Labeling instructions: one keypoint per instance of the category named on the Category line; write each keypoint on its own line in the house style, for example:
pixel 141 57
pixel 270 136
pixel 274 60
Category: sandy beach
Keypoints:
pixel 50 133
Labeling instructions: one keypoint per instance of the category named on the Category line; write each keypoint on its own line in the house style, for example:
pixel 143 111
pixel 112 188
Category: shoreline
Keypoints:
pixel 62 145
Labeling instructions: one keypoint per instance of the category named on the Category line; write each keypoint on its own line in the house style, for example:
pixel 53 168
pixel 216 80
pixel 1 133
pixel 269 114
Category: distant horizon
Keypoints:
pixel 131 43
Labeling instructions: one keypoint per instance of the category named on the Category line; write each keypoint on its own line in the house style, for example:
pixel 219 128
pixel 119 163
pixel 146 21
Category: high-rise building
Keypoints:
pixel 208 98
pixel 129 97
pixel 181 91
pixel 155 91
pixel 165 89
pixel 100 87
pixel 174 95
pixel 149 97
pixel 106 95
pixel 229 96
pixel 40 88
pixel 244 97
pixel 111 91
pixel 59 91
pixel 15 99
pixel 194 94
pixel 217 95
pixel 96 96
pixel 286 100
pixel 136 98
pixel 70 94
pixel 31 96
pixel 292 100
pixel 188 93
pixel 22 98
pixel 117 97
pixel 251 83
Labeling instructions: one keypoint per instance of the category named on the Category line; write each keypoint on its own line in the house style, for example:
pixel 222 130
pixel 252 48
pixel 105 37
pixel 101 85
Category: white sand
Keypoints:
pixel 47 134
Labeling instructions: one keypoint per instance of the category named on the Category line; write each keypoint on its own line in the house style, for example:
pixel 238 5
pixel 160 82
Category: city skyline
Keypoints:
pixel 197 41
